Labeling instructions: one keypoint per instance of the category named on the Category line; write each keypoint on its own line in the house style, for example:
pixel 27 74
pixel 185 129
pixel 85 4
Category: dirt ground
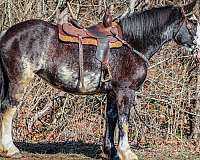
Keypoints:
pixel 80 151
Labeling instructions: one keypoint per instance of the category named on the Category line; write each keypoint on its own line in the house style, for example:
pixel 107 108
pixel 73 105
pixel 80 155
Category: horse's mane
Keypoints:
pixel 141 26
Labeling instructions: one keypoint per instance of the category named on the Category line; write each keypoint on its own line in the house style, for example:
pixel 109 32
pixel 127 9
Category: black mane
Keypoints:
pixel 143 27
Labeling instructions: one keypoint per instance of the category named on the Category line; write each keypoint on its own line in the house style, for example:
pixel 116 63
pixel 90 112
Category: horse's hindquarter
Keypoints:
pixel 21 49
pixel 33 47
pixel 25 47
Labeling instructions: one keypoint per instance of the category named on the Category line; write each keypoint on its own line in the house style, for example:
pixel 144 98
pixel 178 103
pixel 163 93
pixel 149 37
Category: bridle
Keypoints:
pixel 184 21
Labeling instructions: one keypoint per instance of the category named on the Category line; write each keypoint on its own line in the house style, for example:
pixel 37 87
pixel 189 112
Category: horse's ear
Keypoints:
pixel 189 7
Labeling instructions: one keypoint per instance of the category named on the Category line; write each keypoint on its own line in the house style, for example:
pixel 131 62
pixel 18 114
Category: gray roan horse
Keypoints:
pixel 32 47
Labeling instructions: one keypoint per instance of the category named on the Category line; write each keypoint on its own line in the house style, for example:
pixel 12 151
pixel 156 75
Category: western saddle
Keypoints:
pixel 104 35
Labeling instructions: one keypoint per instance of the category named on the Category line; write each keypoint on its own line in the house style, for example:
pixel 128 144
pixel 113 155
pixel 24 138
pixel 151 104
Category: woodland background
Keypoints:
pixel 168 104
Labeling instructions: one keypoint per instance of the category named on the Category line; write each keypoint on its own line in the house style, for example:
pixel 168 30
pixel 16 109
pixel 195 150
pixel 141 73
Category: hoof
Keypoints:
pixel 127 155
pixel 106 157
pixel 15 155
pixel 12 152
pixel 103 156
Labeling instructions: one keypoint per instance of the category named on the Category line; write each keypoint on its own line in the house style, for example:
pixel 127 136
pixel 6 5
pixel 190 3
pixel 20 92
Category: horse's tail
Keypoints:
pixel 4 81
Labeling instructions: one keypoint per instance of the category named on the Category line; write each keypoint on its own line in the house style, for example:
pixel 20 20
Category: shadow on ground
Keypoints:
pixel 82 151
pixel 89 150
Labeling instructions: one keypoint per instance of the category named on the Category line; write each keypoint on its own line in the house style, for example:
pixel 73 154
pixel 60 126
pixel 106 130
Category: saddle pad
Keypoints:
pixel 86 41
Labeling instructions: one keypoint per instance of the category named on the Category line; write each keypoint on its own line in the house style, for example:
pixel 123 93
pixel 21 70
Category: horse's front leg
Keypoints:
pixel 7 147
pixel 125 100
pixel 111 121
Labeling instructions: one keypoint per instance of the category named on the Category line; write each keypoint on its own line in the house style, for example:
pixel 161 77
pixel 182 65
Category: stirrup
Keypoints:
pixel 109 78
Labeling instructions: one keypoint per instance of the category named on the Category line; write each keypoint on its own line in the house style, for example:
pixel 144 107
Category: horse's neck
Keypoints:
pixel 165 37
pixel 148 35
pixel 153 45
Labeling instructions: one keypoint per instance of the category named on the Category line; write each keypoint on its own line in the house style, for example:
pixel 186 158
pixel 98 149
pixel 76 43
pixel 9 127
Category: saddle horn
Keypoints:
pixel 107 18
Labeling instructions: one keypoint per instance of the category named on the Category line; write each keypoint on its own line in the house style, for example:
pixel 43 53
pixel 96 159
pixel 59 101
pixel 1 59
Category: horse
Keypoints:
pixel 32 47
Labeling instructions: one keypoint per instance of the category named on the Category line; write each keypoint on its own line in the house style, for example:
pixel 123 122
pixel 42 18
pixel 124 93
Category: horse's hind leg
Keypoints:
pixel 7 147
pixel 111 120
pixel 125 99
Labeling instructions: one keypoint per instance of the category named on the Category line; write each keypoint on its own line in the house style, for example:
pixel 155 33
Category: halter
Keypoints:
pixel 184 20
